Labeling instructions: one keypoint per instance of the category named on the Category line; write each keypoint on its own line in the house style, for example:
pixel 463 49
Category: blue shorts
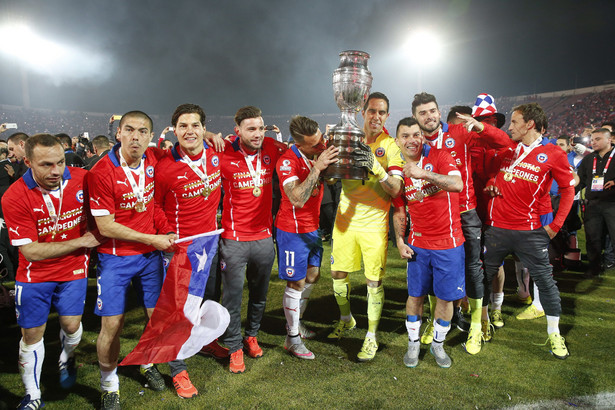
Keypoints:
pixel 440 271
pixel 33 300
pixel 297 251
pixel 115 274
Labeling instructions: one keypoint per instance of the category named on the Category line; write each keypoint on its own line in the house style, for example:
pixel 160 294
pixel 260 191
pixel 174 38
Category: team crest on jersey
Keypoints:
pixel 215 161
pixel 266 159
pixel 222 265
pixel 379 152
pixel 79 196
pixel 150 171
pixel 428 167
pixel 331 259
pixel 99 303
pixel 449 142
pixel 165 262
pixel 542 157
pixel 290 272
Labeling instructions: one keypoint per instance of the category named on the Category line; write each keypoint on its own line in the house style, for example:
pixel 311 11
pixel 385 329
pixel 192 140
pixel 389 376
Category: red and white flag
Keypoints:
pixel 181 324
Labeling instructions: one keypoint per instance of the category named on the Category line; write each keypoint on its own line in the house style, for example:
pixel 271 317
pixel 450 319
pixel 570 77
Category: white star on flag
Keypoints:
pixel 202 257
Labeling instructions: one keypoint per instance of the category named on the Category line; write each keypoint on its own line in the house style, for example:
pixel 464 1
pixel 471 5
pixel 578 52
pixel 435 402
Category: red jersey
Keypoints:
pixel 179 191
pixel 246 216
pixel 110 193
pixel 435 221
pixel 457 141
pixel 28 220
pixel 525 189
pixel 293 166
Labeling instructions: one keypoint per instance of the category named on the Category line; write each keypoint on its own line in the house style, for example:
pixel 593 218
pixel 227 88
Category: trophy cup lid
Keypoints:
pixel 350 58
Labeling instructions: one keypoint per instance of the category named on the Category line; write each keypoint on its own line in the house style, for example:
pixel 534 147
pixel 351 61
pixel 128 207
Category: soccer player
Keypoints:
pixel 187 188
pixel 247 167
pixel 44 215
pixel 362 223
pixel 524 175
pixel 456 139
pixel 435 246
pixel 121 193
pixel 298 243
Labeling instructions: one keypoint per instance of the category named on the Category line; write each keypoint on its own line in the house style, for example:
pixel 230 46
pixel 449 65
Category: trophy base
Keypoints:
pixel 345 172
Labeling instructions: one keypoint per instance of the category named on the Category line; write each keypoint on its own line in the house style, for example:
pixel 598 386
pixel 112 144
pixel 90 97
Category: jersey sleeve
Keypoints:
pixel 100 193
pixel 286 170
pixel 395 161
pixel 19 220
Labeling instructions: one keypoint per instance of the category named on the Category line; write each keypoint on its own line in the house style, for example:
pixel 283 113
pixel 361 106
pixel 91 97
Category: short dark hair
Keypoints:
pixel 17 137
pixel 597 130
pixel 565 138
pixel 533 112
pixel 101 141
pixel 376 96
pixel 423 98
pixel 65 139
pixel 246 112
pixel 462 109
pixel 609 124
pixel 45 140
pixel 138 114
pixel 408 122
pixel 301 127
pixel 188 109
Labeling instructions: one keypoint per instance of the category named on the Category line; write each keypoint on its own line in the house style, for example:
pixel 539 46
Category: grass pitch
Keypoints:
pixel 514 369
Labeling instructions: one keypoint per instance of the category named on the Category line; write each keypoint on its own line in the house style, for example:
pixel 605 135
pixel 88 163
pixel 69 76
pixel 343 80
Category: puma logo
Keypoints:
pixel 236 163
pixel 38 209
pixel 14 231
pixel 185 176
pixel 460 288
pixel 95 200
pixel 124 182
pixel 287 308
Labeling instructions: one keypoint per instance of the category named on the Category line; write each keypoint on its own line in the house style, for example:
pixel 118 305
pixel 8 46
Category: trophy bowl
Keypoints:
pixel 351 84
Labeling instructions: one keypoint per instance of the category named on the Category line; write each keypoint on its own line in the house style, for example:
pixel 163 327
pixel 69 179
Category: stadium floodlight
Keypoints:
pixel 60 62
pixel 424 48
pixel 19 41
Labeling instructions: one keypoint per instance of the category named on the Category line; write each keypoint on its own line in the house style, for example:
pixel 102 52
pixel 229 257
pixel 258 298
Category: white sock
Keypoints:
pixel 30 364
pixel 439 331
pixel 109 380
pixel 305 297
pixel 496 300
pixel 552 324
pixel 290 303
pixel 146 366
pixel 536 301
pixel 370 335
pixel 413 330
pixel 69 343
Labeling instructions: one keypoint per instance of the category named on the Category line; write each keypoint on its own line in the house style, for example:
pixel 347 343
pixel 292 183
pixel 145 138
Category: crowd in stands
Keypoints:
pixel 568 115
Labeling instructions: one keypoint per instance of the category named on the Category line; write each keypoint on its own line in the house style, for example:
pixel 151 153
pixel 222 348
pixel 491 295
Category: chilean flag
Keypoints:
pixel 180 325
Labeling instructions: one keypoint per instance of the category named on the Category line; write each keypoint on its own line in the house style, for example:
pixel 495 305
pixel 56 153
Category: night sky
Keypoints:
pixel 280 54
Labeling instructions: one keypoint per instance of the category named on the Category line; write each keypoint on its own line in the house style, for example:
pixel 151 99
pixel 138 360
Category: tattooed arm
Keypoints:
pixel 399 223
pixel 299 192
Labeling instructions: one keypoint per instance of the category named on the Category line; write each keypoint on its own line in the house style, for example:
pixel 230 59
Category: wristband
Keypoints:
pixel 385 178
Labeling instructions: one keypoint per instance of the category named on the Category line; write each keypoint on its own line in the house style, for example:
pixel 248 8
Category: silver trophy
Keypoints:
pixel 351 84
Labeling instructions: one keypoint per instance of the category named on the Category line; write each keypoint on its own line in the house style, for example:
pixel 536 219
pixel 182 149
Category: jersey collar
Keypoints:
pixel 31 183
pixel 175 151
pixel 114 155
